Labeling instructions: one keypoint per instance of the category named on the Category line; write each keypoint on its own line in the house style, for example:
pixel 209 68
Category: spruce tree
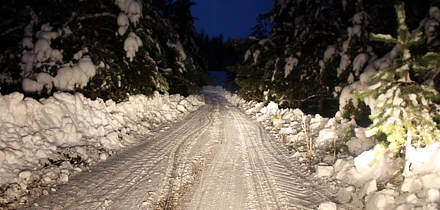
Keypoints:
pixel 402 97
pixel 164 60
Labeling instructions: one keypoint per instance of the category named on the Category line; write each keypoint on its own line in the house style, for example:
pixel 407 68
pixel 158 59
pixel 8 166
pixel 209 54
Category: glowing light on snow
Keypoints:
pixel 87 66
pixel 248 53
pixel 345 61
pixel 42 50
pixel 255 55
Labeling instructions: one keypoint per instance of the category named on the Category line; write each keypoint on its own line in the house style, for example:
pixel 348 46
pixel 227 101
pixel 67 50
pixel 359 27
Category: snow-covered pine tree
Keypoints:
pixel 344 61
pixel 285 68
pixel 261 30
pixel 400 96
pixel 302 31
pixel 253 76
pixel 132 47
pixel 256 58
pixel 194 73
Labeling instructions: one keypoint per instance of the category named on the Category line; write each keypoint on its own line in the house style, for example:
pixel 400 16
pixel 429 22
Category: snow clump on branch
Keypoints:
pixel 131 45
pixel 133 9
pixel 67 78
pixel 122 23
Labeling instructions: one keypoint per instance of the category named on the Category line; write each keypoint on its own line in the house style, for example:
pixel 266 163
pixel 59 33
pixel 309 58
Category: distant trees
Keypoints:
pixel 217 53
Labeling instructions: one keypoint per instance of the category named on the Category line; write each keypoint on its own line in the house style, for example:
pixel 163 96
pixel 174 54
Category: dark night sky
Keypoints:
pixel 233 18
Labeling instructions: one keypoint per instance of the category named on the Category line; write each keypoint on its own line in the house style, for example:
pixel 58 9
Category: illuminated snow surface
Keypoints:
pixel 213 151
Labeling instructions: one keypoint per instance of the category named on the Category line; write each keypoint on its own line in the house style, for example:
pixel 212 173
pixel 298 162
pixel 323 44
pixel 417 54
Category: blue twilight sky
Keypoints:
pixel 232 18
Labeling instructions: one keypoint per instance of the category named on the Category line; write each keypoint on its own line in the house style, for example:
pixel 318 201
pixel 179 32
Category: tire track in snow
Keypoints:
pixel 293 182
pixel 216 158
pixel 285 187
pixel 129 178
pixel 265 195
pixel 178 157
pixel 221 185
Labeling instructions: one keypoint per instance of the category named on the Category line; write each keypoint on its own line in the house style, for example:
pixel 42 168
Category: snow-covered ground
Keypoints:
pixel 216 158
pixel 363 171
pixel 43 144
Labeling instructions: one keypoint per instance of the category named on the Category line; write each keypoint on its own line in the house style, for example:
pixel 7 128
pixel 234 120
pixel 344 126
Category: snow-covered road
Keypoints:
pixel 216 158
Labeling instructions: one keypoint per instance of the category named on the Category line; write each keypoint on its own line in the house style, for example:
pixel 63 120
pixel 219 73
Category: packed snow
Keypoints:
pixel 366 174
pixel 47 141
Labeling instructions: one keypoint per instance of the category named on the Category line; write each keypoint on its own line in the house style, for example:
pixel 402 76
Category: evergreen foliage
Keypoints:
pixel 285 66
pixel 167 60
pixel 402 98
pixel 315 49
pixel 214 51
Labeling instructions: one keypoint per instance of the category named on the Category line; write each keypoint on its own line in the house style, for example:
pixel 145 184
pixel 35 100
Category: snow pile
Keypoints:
pixel 44 142
pixel 365 175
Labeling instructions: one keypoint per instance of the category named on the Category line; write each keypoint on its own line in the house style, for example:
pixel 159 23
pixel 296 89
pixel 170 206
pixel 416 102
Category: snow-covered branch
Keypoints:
pixel 104 14
pixel 11 30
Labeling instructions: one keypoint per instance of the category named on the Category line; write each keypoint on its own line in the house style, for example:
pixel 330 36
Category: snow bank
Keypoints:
pixel 45 141
pixel 365 175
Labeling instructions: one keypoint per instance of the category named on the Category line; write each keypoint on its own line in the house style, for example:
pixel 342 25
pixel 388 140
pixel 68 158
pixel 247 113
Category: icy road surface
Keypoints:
pixel 216 158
